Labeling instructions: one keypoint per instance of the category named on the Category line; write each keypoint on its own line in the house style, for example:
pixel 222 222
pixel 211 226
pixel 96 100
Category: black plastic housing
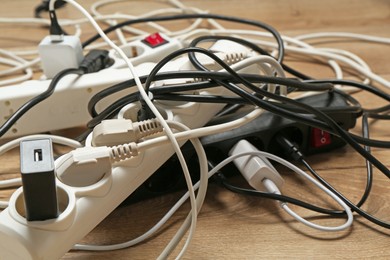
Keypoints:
pixel 38 179
pixel 262 131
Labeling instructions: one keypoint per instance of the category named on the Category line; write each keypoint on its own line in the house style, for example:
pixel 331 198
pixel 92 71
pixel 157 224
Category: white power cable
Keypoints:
pixel 154 13
pixel 28 73
pixel 24 65
pixel 15 182
pixel 182 8
pixel 183 199
pixel 19 64
pixel 261 175
pixel 188 223
pixel 200 197
pixel 147 100
pixel 345 35
pixel 245 150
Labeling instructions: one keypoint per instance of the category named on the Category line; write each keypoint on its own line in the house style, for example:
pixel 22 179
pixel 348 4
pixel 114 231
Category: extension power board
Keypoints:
pixel 82 208
pixel 66 107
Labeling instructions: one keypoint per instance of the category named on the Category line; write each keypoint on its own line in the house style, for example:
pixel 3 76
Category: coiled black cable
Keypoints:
pixel 325 122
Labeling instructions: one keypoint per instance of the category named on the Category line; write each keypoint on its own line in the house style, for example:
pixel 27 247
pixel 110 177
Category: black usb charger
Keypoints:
pixel 38 179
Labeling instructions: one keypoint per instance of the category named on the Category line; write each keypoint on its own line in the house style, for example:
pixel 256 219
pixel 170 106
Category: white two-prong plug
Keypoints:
pixel 87 165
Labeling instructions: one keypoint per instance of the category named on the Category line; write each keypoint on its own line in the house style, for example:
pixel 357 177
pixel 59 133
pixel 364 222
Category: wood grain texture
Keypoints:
pixel 233 226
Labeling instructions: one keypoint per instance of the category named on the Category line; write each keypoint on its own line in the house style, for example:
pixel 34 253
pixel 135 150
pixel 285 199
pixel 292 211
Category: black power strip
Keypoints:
pixel 262 133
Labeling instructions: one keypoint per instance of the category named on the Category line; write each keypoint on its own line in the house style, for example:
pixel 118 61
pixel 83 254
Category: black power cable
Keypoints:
pixel 243 42
pixel 36 100
pixel 44 7
pixel 93 61
pixel 220 177
pixel 355 207
pixel 158 92
pixel 293 116
pixel 299 85
pixel 380 113
pixel 355 84
pixel 323 122
pixel 366 134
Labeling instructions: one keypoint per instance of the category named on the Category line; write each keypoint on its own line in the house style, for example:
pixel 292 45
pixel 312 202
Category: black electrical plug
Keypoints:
pixel 95 60
pixel 289 148
pixel 145 113
pixel 263 130
pixel 44 7
pixel 38 179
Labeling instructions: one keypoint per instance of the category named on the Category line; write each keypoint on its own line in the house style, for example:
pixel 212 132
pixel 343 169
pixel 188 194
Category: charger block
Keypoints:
pixel 57 56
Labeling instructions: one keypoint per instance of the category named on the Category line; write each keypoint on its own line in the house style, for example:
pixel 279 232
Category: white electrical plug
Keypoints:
pixel 83 166
pixel 118 131
pixel 258 171
pixel 59 55
pixel 87 165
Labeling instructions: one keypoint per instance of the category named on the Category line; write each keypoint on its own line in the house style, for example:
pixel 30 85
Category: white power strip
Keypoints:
pixel 67 106
pixel 83 208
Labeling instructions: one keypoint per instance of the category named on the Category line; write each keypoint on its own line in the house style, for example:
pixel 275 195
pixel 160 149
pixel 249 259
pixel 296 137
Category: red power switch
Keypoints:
pixel 154 40
pixel 319 138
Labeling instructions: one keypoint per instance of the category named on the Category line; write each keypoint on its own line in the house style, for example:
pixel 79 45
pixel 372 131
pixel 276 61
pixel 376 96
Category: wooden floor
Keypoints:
pixel 233 226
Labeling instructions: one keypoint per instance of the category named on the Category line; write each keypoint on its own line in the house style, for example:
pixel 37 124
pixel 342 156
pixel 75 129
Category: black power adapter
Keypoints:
pixel 38 179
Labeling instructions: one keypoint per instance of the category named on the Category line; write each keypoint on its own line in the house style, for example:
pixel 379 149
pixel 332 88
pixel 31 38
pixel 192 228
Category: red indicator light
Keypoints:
pixel 319 138
pixel 154 40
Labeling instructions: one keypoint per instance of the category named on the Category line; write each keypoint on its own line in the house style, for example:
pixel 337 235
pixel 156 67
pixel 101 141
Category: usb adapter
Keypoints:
pixel 38 179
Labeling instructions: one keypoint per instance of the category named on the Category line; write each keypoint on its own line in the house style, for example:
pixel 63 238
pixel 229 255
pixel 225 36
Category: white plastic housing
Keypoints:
pixel 57 56
pixel 255 169
pixel 85 207
pixel 66 107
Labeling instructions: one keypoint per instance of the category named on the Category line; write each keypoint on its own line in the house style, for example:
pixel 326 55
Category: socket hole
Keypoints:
pixel 37 155
pixel 256 142
pixel 293 134
pixel 132 51
pixel 62 197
